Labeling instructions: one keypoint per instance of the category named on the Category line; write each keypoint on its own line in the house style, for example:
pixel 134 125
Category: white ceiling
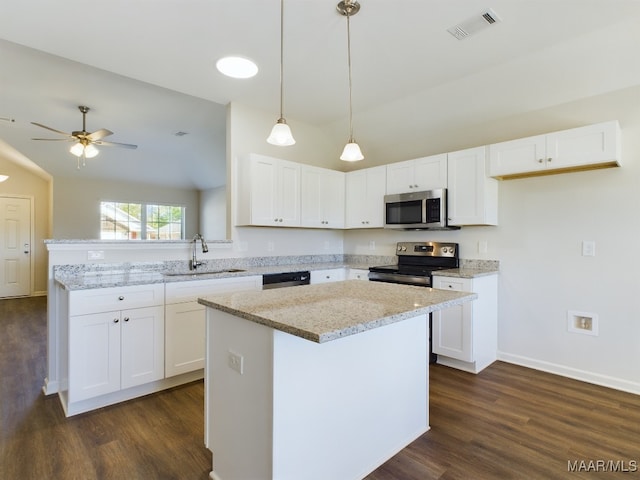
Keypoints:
pixel 409 74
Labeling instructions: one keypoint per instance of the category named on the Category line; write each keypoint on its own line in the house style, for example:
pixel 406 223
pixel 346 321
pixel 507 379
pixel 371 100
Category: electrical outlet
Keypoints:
pixel 95 255
pixel 588 248
pixel 582 322
pixel 372 244
pixel 482 246
pixel 236 362
pixel 271 246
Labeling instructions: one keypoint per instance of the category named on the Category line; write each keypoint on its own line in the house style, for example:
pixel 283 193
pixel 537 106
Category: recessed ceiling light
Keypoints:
pixel 237 67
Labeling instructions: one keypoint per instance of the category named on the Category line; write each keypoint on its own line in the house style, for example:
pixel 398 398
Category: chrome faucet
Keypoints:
pixel 194 264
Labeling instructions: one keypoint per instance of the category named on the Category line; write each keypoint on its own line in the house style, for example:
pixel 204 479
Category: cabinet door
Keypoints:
pixel 472 196
pixel 322 198
pixel 333 194
pixel 452 334
pixel 400 177
pixel 264 184
pixel 592 144
pixel 376 178
pixel 328 275
pixel 358 274
pixel 517 156
pixel 94 355
pixel 355 204
pixel 142 346
pixel 184 338
pixel 430 173
pixel 288 195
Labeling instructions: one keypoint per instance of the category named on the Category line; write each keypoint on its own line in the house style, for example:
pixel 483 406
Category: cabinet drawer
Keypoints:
pixel 82 302
pixel 190 291
pixel 455 284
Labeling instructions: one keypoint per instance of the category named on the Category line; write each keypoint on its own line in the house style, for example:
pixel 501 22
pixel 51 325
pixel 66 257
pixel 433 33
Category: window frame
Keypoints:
pixel 144 220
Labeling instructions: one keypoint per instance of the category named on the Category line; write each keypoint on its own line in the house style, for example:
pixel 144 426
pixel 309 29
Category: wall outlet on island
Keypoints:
pixel 236 362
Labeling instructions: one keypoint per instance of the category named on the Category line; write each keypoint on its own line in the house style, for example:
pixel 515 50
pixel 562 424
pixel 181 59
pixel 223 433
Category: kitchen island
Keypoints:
pixel 317 381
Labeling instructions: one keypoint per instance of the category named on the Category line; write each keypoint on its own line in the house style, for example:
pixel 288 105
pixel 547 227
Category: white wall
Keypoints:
pixel 542 222
pixel 213 213
pixel 76 204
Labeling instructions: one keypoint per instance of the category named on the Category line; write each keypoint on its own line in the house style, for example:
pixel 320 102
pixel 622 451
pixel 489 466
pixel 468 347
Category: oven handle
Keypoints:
pixel 403 279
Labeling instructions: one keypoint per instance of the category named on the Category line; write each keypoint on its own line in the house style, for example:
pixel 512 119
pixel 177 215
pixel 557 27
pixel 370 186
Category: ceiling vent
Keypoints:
pixel 474 24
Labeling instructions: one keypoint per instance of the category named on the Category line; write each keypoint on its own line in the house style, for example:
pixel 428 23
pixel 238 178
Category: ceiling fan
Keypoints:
pixel 85 142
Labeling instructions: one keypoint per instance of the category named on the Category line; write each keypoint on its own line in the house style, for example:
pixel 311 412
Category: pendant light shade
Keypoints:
pixel 351 152
pixel 281 133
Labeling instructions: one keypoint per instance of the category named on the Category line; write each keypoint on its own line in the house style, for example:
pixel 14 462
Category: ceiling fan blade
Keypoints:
pixel 99 134
pixel 52 129
pixel 115 144
pixel 54 139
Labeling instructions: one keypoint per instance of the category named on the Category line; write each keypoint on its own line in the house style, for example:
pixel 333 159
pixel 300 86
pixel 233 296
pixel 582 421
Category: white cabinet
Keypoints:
pixel 328 275
pixel 110 349
pixel 472 195
pixel 322 198
pixel 582 148
pixel 365 190
pixel 466 336
pixel 358 274
pixel 185 319
pixel 268 192
pixel 417 175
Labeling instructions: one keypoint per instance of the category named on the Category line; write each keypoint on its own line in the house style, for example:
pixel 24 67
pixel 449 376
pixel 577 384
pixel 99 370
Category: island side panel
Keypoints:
pixel 238 405
pixel 344 407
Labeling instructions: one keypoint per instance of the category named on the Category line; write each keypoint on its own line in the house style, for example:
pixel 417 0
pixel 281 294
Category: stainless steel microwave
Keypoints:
pixel 416 210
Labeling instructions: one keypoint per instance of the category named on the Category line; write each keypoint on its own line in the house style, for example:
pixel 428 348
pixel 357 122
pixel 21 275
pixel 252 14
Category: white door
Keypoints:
pixel 15 246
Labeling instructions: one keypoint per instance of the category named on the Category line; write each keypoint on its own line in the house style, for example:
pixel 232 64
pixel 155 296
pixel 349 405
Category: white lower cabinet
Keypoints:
pixel 328 275
pixel 466 336
pixel 185 319
pixel 358 274
pixel 115 349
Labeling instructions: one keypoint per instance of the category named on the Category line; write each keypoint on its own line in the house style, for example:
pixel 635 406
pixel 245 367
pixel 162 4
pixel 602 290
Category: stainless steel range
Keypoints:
pixel 416 262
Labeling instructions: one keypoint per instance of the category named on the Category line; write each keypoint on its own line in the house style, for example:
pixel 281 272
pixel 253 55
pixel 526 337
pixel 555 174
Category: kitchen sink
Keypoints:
pixel 203 272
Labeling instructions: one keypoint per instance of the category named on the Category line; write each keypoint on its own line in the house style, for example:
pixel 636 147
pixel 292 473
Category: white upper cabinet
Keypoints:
pixel 583 148
pixel 417 175
pixel 268 192
pixel 365 191
pixel 472 196
pixel 322 197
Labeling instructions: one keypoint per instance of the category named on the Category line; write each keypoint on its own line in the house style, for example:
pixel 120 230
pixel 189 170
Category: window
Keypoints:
pixel 140 221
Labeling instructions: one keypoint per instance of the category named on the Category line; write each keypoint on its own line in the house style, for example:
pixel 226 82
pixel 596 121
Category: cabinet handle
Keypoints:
pixel 126 319
pixel 121 297
pixel 549 159
pixel 116 320
pixel 540 160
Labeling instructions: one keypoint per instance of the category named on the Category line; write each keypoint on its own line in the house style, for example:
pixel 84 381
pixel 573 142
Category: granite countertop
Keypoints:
pixel 330 311
pixel 82 276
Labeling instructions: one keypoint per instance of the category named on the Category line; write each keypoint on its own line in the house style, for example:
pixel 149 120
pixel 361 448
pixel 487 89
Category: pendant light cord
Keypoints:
pixel 281 56
pixel 349 63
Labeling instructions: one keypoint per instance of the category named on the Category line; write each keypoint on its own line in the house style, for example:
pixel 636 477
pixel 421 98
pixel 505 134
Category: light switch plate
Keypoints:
pixel 588 248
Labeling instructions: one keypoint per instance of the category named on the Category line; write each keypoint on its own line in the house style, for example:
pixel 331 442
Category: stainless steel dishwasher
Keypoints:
pixel 286 279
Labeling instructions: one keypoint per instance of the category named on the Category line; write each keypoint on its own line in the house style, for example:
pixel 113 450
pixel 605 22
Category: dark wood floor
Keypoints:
pixel 506 423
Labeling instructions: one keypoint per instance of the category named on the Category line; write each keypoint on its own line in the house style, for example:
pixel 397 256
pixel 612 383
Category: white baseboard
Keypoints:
pixel 42 293
pixel 570 372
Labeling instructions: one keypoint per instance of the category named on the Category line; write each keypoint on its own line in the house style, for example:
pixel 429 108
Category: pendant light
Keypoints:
pixel 351 152
pixel 281 133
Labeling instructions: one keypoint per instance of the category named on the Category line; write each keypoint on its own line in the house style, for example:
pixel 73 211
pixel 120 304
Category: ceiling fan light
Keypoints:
pixel 351 152
pixel 281 134
pixel 90 151
pixel 77 149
